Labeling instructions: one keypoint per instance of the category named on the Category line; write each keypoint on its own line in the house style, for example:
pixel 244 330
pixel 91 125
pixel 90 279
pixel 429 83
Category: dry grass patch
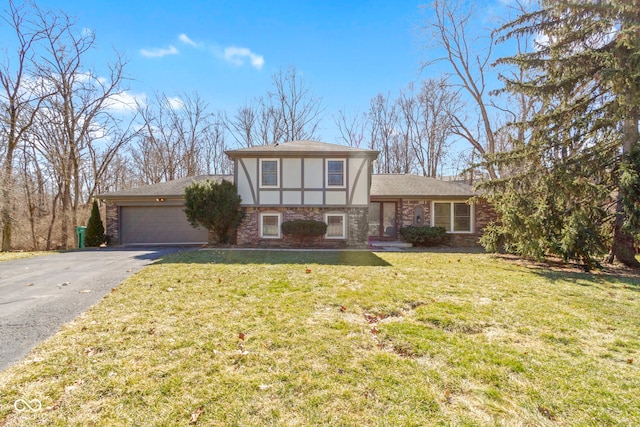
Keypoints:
pixel 8 256
pixel 342 338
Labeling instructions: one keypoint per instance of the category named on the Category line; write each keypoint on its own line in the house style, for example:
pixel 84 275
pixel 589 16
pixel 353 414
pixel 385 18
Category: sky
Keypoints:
pixel 227 51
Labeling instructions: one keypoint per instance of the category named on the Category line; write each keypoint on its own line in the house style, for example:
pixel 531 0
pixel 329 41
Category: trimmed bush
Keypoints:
pixel 214 206
pixel 424 236
pixel 304 228
pixel 94 235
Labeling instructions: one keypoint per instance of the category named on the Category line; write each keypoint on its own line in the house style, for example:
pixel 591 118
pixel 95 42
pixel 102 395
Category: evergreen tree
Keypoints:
pixel 574 192
pixel 94 235
pixel 214 206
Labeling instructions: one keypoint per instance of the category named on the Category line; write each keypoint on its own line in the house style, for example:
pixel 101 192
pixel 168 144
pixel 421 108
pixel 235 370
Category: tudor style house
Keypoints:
pixel 303 180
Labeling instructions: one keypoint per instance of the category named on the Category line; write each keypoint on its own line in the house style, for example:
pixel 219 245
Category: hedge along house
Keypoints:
pixel 400 200
pixel 303 180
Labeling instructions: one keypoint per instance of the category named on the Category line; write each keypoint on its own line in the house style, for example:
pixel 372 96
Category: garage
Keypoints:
pixel 158 225
pixel 153 214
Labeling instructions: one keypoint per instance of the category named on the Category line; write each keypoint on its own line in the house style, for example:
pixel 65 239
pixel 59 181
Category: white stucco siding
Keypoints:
pixel 313 176
pixel 269 197
pixel 292 173
pixel 313 198
pixel 247 178
pixel 292 197
pixel 336 198
pixel 358 182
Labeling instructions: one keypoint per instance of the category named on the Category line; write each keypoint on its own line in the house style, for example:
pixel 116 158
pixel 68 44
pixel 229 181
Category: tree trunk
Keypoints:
pixel 623 242
pixel 7 225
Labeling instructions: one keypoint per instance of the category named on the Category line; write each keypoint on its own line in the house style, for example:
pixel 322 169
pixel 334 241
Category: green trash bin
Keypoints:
pixel 81 231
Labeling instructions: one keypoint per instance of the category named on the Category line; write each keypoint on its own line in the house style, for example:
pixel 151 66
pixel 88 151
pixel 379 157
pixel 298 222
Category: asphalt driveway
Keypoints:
pixel 40 294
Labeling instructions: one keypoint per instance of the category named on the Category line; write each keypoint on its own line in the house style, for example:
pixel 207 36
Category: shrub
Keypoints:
pixel 214 206
pixel 424 236
pixel 94 235
pixel 304 228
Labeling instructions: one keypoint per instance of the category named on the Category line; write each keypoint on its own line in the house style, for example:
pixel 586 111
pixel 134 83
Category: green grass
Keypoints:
pixel 342 338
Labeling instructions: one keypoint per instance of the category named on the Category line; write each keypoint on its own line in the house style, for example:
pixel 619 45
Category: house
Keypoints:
pixel 302 180
pixel 399 200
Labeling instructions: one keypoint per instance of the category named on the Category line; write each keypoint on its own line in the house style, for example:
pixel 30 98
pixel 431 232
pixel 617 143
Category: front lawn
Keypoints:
pixel 254 338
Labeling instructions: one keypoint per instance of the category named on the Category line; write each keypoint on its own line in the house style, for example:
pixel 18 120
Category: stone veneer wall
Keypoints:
pixel 112 228
pixel 484 213
pixel 248 234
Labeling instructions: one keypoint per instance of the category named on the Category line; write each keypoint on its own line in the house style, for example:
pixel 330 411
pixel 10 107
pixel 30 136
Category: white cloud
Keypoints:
pixel 159 52
pixel 175 102
pixel 125 101
pixel 237 55
pixel 186 40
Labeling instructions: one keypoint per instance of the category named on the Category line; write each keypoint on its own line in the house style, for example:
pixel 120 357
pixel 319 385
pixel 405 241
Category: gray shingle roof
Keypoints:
pixel 391 185
pixel 173 188
pixel 300 147
pixel 399 185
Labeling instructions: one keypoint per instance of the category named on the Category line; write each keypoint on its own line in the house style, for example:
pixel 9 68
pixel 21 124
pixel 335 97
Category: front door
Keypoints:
pixel 382 220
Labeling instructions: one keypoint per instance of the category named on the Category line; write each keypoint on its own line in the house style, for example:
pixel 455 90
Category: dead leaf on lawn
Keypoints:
pixel 371 318
pixel 241 336
pixel 308 270
pixel 546 413
pixel 343 308
pixel 196 415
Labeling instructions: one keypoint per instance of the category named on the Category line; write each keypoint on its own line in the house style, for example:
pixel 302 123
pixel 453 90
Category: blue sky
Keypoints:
pixel 227 51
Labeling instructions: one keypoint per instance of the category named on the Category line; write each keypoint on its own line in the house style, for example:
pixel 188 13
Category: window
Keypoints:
pixel 335 226
pixel 269 176
pixel 455 217
pixel 335 173
pixel 270 225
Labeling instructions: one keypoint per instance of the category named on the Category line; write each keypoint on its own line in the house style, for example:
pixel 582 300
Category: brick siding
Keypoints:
pixel 112 224
pixel 248 234
pixel 484 214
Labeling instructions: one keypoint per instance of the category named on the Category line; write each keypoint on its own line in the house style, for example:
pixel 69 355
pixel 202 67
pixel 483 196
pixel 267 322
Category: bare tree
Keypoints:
pixel 383 121
pixel 102 155
pixel 297 107
pixel 243 125
pixel 20 101
pixel 78 109
pixel 288 112
pixel 352 129
pixel 179 138
pixel 213 148
pixel 426 119
pixel 449 31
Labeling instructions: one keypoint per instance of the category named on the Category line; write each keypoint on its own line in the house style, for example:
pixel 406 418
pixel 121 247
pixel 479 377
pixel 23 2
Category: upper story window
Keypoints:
pixel 335 172
pixel 455 217
pixel 269 173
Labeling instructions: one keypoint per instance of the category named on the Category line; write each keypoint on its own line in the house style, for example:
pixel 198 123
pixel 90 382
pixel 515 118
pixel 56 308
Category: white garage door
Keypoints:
pixel 151 224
